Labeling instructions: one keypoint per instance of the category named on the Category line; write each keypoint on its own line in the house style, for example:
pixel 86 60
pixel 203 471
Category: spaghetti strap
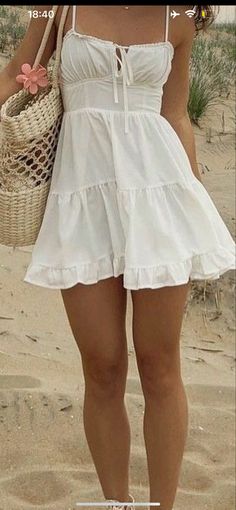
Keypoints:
pixel 73 16
pixel 167 23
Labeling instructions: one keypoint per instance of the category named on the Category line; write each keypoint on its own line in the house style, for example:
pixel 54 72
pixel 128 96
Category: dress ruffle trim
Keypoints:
pixel 204 266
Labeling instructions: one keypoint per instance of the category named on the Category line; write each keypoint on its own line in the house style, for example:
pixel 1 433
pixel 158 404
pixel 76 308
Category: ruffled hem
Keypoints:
pixel 205 266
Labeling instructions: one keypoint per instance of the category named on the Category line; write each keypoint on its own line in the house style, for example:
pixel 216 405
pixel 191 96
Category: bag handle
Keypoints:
pixel 45 36
pixel 58 42
pixel 58 46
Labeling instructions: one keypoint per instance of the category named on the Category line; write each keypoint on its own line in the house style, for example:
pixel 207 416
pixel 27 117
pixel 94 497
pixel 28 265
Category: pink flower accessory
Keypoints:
pixel 32 78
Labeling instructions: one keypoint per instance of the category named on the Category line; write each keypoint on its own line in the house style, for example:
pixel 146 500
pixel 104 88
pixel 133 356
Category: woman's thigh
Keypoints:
pixel 96 314
pixel 157 322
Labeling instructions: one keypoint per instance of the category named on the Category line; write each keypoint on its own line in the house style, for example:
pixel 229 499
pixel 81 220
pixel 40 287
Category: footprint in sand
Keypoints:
pixel 32 411
pixel 199 482
pixel 38 487
pixel 11 396
pixel 9 382
pixel 210 395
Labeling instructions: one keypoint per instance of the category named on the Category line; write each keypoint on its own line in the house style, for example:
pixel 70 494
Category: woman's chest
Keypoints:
pixel 137 24
pixel 85 57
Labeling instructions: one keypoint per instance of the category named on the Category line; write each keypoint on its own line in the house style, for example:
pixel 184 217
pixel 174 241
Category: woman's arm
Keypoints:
pixel 26 52
pixel 176 90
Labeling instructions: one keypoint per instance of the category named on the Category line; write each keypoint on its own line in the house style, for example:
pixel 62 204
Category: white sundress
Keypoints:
pixel 123 197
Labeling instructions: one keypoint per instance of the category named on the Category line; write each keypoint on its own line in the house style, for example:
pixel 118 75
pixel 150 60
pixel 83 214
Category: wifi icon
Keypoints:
pixel 190 13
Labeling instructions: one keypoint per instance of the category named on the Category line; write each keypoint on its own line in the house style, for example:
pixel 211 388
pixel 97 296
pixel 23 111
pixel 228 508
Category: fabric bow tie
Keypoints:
pixel 127 75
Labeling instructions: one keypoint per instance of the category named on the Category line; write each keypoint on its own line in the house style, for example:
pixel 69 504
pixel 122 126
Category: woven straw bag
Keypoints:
pixel 30 129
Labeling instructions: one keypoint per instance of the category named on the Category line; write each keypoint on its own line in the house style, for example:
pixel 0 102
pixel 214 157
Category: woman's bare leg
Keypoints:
pixel 157 321
pixel 96 313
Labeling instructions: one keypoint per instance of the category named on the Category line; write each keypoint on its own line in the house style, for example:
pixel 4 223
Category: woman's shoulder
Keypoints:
pixel 181 23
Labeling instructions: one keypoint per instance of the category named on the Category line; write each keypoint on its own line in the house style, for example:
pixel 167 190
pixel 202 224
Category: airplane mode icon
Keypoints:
pixel 174 14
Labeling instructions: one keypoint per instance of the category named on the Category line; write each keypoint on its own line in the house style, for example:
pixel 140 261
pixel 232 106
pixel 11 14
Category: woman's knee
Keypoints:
pixel 105 375
pixel 160 375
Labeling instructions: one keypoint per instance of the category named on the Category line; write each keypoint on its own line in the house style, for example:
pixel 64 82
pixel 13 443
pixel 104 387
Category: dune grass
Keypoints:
pixel 212 69
pixel 229 28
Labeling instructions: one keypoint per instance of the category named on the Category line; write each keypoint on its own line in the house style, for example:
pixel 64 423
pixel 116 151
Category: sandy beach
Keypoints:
pixel 45 461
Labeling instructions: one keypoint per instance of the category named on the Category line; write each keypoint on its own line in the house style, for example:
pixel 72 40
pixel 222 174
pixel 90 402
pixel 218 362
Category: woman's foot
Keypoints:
pixel 114 504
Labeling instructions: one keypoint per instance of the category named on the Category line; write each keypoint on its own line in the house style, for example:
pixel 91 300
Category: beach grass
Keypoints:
pixel 212 70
